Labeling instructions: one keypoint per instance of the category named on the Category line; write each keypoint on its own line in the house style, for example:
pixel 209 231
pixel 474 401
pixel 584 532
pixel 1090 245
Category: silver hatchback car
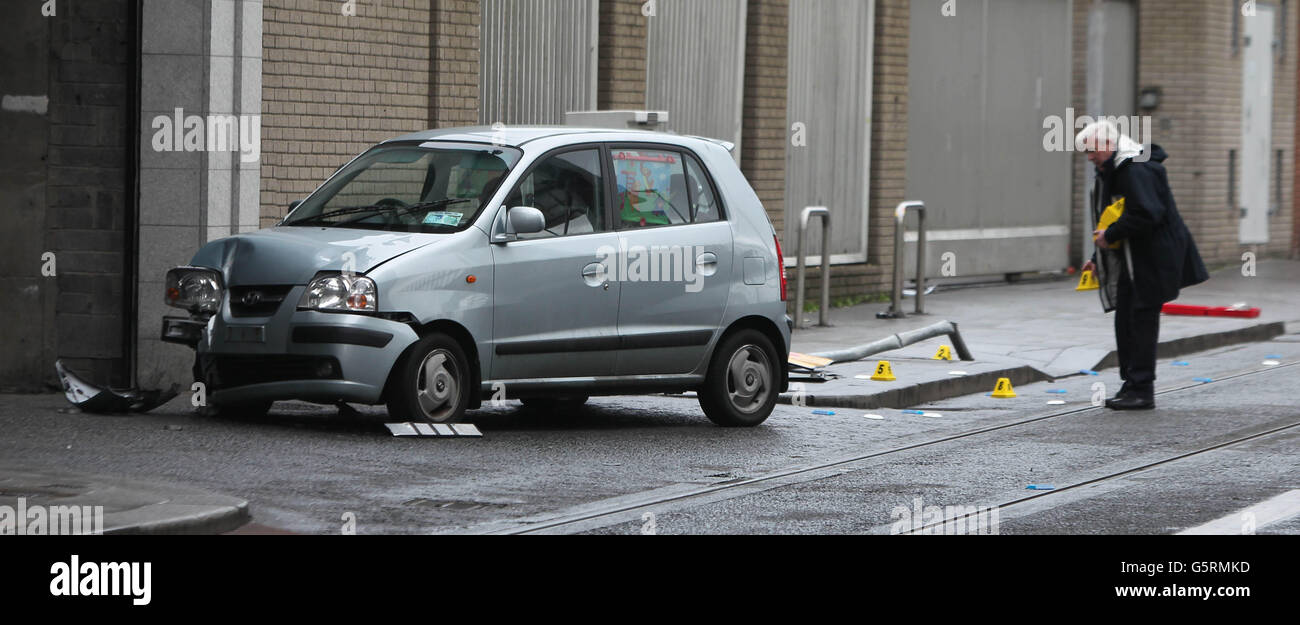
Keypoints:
pixel 445 268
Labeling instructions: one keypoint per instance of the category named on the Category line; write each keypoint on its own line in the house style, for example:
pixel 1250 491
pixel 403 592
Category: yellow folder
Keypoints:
pixel 1110 216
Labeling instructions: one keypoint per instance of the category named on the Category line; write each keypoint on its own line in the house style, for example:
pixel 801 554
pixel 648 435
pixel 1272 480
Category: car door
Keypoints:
pixel 555 313
pixel 674 261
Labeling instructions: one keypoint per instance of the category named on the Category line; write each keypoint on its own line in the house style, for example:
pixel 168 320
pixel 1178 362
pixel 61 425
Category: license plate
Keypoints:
pixel 245 334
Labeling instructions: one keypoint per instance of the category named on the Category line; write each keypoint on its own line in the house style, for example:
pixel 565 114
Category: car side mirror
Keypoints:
pixel 516 221
pixel 294 205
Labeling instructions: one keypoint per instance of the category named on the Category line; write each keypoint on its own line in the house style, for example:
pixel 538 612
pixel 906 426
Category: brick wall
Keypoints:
pixel 454 80
pixel 333 85
pixel 91 52
pixel 764 130
pixel 1186 49
pixel 1079 100
pixel 621 74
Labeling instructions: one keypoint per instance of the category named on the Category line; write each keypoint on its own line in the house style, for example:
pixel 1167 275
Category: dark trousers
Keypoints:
pixel 1137 331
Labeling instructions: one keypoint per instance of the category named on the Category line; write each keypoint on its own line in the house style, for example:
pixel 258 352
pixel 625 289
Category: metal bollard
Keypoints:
pixel 900 216
pixel 825 214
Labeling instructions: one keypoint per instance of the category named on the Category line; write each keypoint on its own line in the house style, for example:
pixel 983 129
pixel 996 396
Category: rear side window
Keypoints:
pixel 652 189
pixel 704 202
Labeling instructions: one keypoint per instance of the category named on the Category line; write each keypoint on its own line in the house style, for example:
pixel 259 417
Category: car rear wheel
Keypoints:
pixel 741 387
pixel 432 382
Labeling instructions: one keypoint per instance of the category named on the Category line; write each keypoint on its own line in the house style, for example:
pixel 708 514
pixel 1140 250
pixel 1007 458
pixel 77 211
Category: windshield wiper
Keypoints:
pixel 374 208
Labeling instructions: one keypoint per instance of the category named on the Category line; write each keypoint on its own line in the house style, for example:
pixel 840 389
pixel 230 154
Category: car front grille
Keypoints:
pixel 257 301
pixel 223 372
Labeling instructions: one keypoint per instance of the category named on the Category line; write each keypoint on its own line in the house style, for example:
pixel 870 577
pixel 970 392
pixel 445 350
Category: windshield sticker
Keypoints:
pixel 443 219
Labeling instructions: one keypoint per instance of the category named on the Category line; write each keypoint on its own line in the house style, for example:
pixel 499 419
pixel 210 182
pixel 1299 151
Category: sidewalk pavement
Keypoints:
pixel 129 506
pixel 1031 332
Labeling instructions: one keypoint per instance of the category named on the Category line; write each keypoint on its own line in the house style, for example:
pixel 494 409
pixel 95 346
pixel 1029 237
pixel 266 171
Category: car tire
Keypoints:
pixel 431 382
pixel 554 404
pixel 743 381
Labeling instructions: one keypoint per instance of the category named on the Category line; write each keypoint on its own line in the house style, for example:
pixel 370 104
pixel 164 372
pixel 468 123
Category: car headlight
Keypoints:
pixel 341 292
pixel 195 289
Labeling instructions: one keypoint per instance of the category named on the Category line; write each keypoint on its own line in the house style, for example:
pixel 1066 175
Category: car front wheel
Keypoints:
pixel 432 382
pixel 741 387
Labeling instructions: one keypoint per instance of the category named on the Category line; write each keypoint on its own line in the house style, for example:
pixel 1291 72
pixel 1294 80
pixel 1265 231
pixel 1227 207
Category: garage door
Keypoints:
pixel 981 85
pixel 538 60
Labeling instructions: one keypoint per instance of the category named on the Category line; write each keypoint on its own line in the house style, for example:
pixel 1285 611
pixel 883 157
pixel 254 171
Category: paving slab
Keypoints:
pixel 1040 330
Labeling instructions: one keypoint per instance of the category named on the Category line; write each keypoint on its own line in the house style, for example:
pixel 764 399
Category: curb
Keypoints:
pixel 925 392
pixel 204 520
pixel 1201 342
pixel 936 390
pixel 130 507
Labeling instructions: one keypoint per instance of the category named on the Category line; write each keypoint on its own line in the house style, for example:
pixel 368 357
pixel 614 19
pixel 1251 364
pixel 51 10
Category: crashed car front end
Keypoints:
pixel 323 341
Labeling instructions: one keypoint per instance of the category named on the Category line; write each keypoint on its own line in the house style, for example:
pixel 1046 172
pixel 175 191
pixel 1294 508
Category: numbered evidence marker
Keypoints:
pixel 945 353
pixel 884 372
pixel 1003 390
pixel 1088 282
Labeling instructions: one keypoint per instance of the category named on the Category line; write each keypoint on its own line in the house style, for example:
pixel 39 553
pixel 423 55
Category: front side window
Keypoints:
pixel 410 188
pixel 569 190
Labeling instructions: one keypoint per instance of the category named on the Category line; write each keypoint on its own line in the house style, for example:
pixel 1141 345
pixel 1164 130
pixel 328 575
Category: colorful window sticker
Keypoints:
pixel 443 219
pixel 645 188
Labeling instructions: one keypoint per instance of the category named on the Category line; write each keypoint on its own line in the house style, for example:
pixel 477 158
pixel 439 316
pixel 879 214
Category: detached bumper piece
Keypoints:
pixel 434 430
pixel 182 331
pixel 90 398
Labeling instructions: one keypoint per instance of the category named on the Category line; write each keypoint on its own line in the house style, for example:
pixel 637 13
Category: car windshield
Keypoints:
pixel 428 187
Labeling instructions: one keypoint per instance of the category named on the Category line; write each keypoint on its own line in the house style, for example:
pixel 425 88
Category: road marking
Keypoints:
pixel 1279 508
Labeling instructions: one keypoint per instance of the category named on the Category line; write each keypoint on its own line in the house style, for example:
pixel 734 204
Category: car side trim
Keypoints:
pixel 688 338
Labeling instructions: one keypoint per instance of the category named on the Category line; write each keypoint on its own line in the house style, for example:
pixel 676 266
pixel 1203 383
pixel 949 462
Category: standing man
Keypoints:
pixel 1154 259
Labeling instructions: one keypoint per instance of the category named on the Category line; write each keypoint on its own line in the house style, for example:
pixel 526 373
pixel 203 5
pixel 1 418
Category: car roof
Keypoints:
pixel 518 136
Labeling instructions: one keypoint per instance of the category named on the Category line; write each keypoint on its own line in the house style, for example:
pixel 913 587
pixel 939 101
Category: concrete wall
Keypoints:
pixel 63 190
pixel 200 63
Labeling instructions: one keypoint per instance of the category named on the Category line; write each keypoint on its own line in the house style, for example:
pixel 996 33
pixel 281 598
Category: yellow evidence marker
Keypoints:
pixel 1003 389
pixel 1088 282
pixel 884 372
pixel 1109 217
pixel 945 353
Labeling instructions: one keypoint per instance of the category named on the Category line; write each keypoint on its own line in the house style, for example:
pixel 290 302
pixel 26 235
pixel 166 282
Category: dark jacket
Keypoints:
pixel 1158 251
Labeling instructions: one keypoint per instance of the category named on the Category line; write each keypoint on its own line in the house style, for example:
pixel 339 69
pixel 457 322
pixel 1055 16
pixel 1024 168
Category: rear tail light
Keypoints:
pixel 780 264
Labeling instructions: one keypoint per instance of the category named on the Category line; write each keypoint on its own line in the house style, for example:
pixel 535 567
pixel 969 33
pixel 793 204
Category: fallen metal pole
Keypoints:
pixel 901 340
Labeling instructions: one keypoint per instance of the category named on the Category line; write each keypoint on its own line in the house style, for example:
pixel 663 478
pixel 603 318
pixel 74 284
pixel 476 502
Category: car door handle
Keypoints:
pixel 596 275
pixel 707 258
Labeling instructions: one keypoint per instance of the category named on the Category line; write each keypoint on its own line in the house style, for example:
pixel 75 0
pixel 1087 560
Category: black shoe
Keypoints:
pixel 1132 402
